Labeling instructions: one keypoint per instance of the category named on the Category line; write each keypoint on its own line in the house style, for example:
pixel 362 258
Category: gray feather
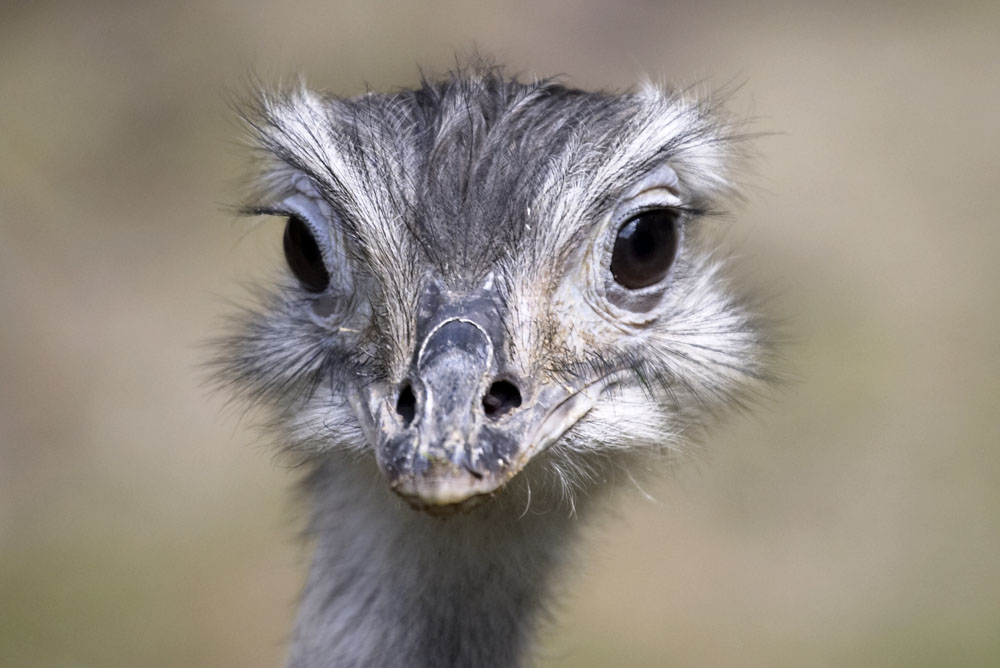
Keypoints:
pixel 479 179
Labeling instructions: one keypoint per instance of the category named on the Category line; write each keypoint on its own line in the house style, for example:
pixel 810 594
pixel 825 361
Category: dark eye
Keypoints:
pixel 645 249
pixel 304 257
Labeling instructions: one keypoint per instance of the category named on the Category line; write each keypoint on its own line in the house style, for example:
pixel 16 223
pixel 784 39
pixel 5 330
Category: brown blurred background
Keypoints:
pixel 854 521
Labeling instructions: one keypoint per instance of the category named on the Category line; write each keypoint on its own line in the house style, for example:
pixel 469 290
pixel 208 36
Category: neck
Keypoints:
pixel 393 587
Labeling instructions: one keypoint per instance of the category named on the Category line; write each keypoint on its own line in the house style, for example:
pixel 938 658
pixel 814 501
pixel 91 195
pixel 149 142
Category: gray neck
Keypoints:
pixel 393 587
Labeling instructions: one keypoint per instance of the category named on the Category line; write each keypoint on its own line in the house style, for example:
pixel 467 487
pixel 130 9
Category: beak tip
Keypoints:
pixel 456 490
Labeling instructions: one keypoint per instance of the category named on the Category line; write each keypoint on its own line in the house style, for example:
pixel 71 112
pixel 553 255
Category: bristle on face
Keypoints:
pixel 505 203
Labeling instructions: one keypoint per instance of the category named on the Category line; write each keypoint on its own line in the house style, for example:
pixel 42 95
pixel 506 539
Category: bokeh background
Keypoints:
pixel 852 521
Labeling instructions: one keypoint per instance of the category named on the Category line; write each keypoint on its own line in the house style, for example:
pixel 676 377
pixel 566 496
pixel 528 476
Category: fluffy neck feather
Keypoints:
pixel 393 587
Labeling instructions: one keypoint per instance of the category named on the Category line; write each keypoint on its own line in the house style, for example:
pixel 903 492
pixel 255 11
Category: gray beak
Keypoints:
pixel 452 450
pixel 462 425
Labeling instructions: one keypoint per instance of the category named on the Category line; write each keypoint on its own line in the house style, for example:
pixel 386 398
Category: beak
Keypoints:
pixel 461 426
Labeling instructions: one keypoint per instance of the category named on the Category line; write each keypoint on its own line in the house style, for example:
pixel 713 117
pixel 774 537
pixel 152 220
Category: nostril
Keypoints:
pixel 502 397
pixel 406 404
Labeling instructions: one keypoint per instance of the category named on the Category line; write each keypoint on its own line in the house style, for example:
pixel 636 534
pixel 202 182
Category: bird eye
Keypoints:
pixel 645 248
pixel 304 257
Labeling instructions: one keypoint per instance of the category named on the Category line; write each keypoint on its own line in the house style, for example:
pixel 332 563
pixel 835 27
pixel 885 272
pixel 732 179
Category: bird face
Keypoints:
pixel 486 274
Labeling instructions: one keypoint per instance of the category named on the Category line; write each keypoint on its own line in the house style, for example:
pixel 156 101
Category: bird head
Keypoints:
pixel 487 277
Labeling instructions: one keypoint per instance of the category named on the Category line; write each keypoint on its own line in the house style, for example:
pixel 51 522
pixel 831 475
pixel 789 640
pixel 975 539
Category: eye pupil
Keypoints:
pixel 643 244
pixel 304 256
pixel 645 249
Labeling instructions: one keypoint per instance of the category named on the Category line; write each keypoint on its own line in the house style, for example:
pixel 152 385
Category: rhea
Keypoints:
pixel 499 301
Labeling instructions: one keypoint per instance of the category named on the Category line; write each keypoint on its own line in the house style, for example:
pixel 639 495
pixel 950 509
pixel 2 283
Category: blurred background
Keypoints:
pixel 853 521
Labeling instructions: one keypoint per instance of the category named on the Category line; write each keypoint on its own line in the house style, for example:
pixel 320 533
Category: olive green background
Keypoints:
pixel 852 520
